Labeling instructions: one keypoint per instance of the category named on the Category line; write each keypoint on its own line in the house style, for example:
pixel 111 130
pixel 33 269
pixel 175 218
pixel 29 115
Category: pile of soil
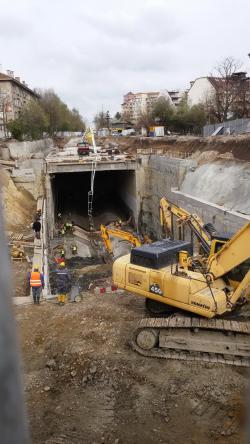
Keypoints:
pixel 238 146
pixel 84 272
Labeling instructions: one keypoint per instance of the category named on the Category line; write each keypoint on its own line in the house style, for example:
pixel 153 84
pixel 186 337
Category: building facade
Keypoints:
pixel 14 95
pixel 223 97
pixel 136 104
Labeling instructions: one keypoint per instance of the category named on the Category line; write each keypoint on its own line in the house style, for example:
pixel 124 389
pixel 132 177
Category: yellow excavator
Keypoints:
pixel 107 232
pixel 166 274
pixel 210 241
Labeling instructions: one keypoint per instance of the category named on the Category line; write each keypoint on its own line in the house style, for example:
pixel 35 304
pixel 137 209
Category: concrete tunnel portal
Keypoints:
pixel 114 196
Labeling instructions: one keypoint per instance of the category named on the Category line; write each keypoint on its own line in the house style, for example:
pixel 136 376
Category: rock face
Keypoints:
pixel 18 206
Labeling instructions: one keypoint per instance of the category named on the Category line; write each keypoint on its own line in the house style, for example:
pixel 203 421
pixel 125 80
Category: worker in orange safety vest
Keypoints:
pixel 36 282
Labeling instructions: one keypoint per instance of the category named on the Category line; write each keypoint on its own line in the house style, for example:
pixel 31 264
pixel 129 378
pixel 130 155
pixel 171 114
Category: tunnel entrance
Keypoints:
pixel 114 196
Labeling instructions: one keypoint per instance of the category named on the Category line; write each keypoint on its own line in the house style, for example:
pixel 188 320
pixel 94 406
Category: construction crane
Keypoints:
pixel 167 276
pixel 106 232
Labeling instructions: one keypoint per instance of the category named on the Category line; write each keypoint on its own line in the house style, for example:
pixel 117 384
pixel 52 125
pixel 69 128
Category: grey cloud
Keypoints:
pixel 92 53
pixel 14 27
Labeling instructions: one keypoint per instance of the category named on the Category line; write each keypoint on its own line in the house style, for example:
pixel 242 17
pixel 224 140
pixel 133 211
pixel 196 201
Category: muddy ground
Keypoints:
pixel 84 384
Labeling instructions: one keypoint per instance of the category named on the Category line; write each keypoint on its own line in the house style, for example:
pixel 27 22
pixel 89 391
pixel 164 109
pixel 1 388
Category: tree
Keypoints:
pixel 31 123
pixel 145 120
pixel 127 116
pixel 163 112
pixel 118 116
pixel 60 117
pixel 16 128
pixel 100 120
pixel 189 119
pixel 34 120
pixel 228 97
pixel 49 114
pixel 55 111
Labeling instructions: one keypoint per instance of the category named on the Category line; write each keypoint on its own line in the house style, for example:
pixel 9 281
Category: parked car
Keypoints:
pixel 83 148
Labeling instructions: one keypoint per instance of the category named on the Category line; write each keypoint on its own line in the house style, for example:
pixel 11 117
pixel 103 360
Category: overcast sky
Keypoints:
pixel 92 52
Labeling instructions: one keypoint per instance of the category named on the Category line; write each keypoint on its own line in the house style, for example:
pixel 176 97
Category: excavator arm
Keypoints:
pixel 169 209
pixel 124 235
pixel 233 253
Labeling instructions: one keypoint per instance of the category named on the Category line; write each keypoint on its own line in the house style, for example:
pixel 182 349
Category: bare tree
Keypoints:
pixel 230 89
pixel 127 116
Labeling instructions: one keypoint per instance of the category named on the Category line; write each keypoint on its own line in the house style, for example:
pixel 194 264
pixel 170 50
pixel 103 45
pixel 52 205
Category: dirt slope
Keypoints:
pixel 238 146
pixel 19 206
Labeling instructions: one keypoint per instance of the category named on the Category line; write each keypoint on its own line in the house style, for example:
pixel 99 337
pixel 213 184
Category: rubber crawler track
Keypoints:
pixel 190 323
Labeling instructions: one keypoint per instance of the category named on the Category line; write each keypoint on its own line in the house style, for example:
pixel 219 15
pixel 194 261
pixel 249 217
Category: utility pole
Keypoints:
pixel 107 119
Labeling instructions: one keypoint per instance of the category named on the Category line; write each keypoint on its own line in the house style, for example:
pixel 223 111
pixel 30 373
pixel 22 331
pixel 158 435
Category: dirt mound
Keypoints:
pixel 19 206
pixel 238 146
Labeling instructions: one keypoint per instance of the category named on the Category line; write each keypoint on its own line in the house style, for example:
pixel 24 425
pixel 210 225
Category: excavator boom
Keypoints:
pixel 233 253
pixel 106 232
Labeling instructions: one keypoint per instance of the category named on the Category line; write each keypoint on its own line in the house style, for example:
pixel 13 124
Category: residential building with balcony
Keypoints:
pixel 136 104
pixel 14 95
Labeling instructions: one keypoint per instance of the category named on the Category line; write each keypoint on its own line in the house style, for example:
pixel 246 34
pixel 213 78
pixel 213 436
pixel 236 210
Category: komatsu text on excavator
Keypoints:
pixel 169 277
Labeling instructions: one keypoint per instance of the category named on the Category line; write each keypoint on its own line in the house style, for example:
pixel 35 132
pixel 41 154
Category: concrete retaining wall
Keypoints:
pixel 222 218
pixel 162 176
pixel 23 150
pixel 157 177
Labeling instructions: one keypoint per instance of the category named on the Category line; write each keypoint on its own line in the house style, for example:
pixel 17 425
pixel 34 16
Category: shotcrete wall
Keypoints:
pixel 163 176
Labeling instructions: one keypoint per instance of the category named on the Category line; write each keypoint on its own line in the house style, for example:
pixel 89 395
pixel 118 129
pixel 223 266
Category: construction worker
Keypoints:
pixel 74 249
pixel 62 283
pixel 36 282
pixel 118 223
pixel 38 215
pixel 68 227
pixel 37 228
pixel 62 231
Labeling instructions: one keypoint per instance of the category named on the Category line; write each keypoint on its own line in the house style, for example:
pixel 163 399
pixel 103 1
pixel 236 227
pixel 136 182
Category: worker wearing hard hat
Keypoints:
pixel 36 283
pixel 62 283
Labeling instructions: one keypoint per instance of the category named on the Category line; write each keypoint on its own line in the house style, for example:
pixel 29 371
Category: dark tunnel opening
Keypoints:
pixel 114 196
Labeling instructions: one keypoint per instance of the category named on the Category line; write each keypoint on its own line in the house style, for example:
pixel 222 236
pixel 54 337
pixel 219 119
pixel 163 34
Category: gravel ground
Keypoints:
pixel 84 384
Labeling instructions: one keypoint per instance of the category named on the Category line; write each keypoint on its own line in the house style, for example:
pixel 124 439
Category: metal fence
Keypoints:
pixel 237 126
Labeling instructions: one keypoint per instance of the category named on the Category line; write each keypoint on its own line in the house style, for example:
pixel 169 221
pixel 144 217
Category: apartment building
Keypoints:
pixel 136 104
pixel 14 95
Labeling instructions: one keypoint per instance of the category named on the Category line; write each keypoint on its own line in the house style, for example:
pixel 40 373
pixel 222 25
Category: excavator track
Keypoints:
pixel 194 339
